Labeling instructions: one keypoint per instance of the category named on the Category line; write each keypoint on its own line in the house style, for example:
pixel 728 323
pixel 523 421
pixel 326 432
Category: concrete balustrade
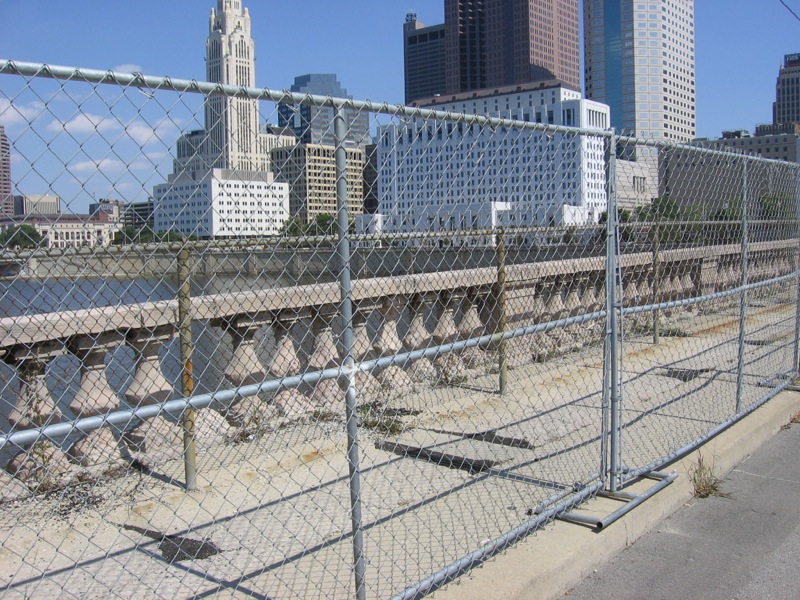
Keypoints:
pixel 99 449
pixel 149 386
pixel 42 465
pixel 427 309
pixel 289 401
pixel 327 394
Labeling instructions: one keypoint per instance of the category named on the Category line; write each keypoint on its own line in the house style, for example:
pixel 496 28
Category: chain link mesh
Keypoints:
pixel 395 351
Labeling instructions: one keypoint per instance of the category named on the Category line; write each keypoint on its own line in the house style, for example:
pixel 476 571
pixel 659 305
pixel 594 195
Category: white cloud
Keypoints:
pixel 105 166
pixel 163 132
pixel 127 68
pixel 85 123
pixel 15 113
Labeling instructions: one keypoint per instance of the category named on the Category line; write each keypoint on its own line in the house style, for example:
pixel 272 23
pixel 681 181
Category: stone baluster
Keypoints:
pixel 368 387
pixel 388 341
pixel 554 307
pixel 327 394
pixel 644 285
pixel 449 366
pixel 393 379
pixel 42 465
pixel 155 437
pixel 470 326
pixel 291 402
pixel 538 306
pixel 418 338
pixel 572 299
pixel 246 368
pixel 35 406
pixel 446 331
pixel 100 449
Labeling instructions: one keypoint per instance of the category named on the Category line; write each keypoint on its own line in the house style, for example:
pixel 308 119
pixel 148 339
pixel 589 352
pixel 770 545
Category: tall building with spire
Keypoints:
pixel 222 184
pixel 231 123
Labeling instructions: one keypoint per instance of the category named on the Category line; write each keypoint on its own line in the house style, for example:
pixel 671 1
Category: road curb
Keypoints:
pixel 547 565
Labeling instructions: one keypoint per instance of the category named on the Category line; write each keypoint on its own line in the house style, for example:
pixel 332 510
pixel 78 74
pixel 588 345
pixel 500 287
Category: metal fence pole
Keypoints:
pixel 743 300
pixel 348 376
pixel 656 280
pixel 501 310
pixel 796 265
pixel 611 361
pixel 187 375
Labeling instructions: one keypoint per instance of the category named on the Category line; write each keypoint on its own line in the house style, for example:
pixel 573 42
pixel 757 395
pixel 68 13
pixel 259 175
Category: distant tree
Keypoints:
pixel 131 235
pixel 292 227
pixel 324 224
pixel 21 236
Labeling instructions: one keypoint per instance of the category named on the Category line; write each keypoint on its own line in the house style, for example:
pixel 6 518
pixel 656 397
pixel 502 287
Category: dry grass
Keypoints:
pixel 705 481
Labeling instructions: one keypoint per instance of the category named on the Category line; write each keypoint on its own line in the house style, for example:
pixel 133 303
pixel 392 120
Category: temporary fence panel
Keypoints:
pixel 356 358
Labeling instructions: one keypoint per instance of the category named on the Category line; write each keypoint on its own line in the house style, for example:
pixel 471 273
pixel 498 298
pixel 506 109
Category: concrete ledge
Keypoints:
pixel 550 563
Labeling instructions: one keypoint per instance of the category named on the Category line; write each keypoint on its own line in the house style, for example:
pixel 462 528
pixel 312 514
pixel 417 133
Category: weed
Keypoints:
pixel 381 421
pixel 795 417
pixel 705 481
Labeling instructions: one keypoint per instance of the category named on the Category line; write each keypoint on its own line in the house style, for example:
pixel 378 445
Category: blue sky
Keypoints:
pixel 739 47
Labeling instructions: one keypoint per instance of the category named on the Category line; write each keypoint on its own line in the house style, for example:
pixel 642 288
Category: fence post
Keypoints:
pixel 348 362
pixel 501 310
pixel 656 279
pixel 187 375
pixel 743 299
pixel 611 390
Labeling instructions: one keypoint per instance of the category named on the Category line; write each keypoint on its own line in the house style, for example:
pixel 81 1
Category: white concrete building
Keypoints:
pixel 222 203
pixel 221 183
pixel 445 175
pixel 68 230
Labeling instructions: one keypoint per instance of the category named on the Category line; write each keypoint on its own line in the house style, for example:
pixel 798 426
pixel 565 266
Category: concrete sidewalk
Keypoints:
pixel 742 547
pixel 745 546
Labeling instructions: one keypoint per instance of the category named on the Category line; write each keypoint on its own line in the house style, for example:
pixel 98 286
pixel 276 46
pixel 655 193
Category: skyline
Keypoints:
pixel 735 79
pixel 728 66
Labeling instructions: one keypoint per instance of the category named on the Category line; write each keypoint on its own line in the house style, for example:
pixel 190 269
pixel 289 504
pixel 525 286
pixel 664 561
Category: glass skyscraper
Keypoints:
pixel 314 124
pixel 640 60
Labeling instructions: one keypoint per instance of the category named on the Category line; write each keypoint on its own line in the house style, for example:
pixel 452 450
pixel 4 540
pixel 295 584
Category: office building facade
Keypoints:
pixel 494 43
pixel 6 188
pixel 309 171
pixel 42 204
pixel 423 54
pixel 640 60
pixel 786 108
pixel 435 176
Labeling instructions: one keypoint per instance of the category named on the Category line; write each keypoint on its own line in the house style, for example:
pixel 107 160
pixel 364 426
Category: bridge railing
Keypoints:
pixel 367 372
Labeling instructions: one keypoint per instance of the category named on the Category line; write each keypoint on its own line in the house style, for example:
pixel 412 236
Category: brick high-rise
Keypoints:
pixel 493 43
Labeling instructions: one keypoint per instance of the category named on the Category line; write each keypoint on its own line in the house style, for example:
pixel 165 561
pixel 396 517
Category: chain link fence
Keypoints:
pixel 357 363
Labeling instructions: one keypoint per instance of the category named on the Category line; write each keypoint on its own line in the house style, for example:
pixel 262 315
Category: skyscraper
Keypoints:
pixel 640 61
pixel 532 40
pixel 6 192
pixel 314 124
pixel 221 184
pixel 494 43
pixel 231 123
pixel 423 52
pixel 786 108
